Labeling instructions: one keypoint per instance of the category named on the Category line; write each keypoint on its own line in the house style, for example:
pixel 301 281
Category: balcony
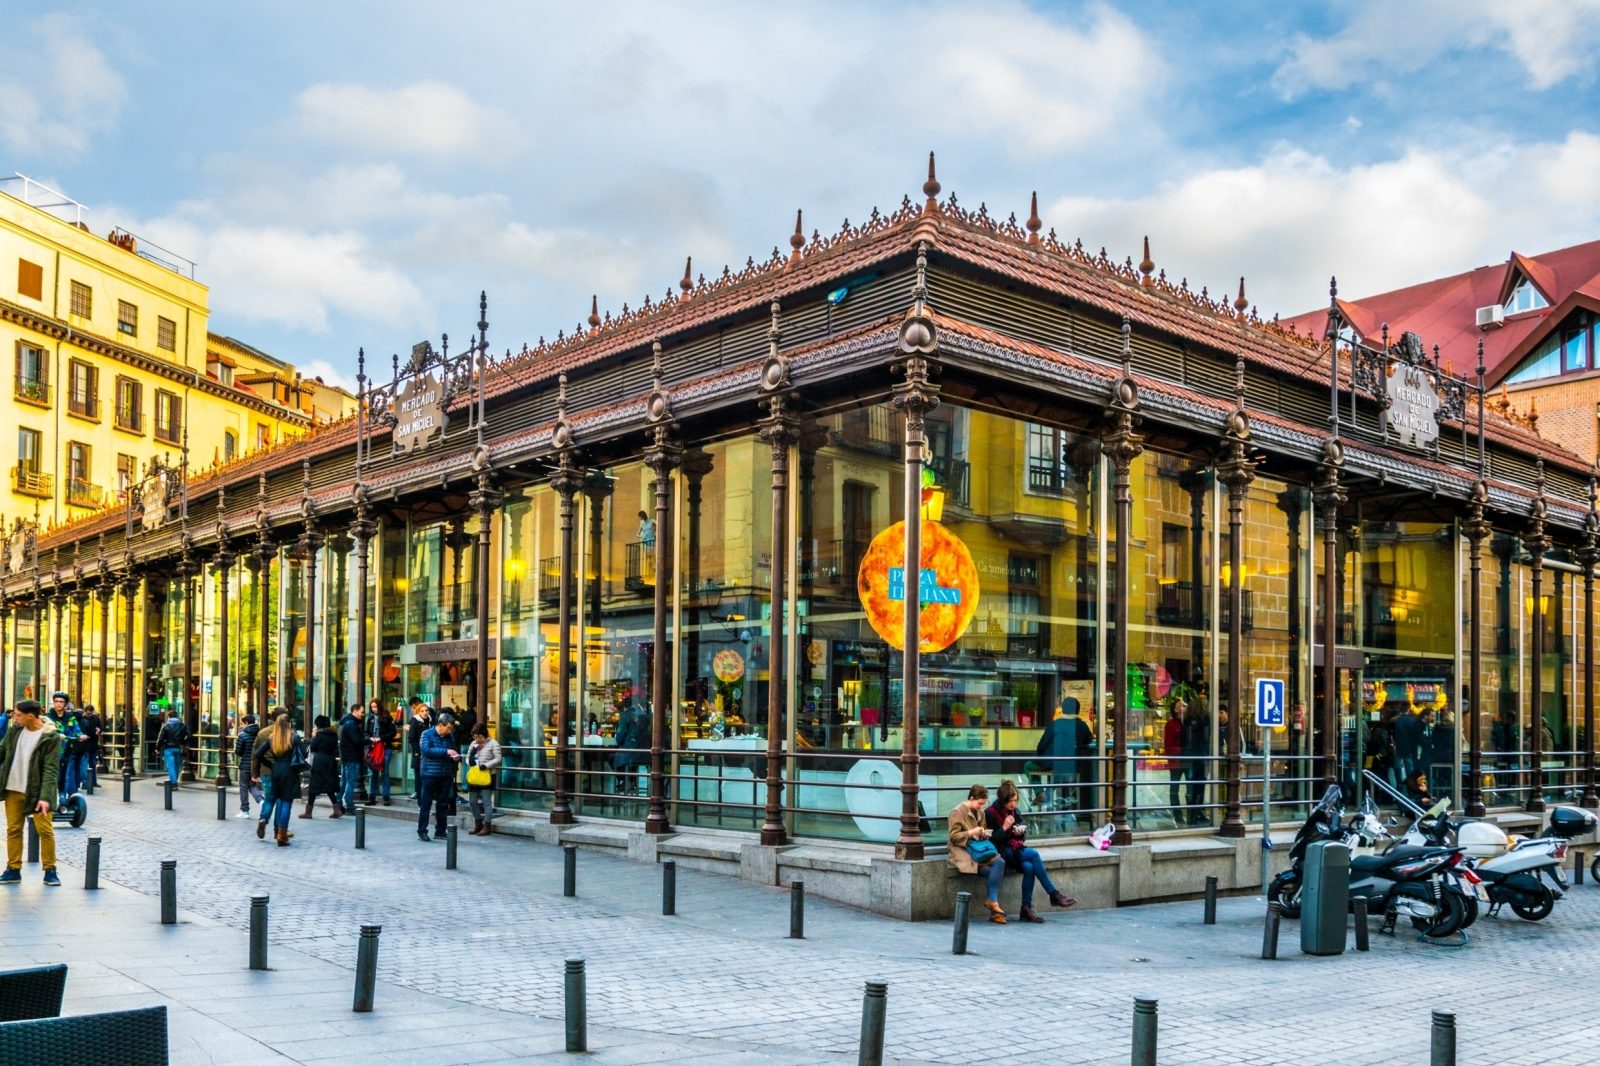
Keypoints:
pixel 85 407
pixel 641 566
pixel 29 481
pixel 1047 478
pixel 835 565
pixel 168 432
pixel 1181 605
pixel 35 390
pixel 83 493
pixel 130 420
pixel 955 477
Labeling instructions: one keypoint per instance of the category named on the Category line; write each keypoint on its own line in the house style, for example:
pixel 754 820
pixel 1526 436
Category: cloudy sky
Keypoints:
pixel 352 173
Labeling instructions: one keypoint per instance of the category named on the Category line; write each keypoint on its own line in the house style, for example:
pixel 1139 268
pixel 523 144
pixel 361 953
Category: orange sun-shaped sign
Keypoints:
pixel 947 586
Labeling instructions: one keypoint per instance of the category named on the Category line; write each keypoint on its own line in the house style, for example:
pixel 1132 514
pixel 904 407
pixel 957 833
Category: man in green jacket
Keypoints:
pixel 30 761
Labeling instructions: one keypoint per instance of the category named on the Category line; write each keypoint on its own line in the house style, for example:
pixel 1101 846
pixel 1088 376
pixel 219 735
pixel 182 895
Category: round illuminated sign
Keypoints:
pixel 947 586
pixel 728 665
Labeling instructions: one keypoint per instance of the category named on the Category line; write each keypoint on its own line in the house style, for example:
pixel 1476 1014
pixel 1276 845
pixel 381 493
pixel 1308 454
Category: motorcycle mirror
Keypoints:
pixel 1392 822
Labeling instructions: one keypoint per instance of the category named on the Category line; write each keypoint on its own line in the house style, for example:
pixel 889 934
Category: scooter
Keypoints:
pixel 73 810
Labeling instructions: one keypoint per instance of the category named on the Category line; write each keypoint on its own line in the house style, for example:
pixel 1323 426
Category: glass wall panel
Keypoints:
pixel 526 646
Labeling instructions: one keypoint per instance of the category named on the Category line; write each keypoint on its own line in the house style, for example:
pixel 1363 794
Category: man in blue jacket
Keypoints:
pixel 352 754
pixel 436 775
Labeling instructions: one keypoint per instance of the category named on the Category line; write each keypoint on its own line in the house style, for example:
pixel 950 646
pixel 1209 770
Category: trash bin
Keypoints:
pixel 1325 899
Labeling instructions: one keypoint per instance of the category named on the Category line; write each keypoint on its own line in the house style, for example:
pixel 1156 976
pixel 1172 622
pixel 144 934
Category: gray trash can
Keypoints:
pixel 1325 900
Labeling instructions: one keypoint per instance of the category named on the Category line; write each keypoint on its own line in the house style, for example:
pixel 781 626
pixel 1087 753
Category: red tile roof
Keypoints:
pixel 1444 311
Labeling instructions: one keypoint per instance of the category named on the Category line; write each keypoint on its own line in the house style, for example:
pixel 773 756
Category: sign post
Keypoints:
pixel 1269 716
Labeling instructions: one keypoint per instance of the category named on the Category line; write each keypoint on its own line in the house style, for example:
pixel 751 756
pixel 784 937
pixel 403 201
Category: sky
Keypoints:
pixel 349 174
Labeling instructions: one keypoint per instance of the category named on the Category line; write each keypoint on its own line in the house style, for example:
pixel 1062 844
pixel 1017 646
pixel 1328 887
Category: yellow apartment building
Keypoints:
pixel 113 366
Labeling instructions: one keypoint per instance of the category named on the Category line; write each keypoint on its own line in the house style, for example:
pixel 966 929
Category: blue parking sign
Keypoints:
pixel 1269 701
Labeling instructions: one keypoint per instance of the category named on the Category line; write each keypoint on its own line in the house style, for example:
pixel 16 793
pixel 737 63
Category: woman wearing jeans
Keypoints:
pixel 1007 833
pixel 274 761
pixel 966 827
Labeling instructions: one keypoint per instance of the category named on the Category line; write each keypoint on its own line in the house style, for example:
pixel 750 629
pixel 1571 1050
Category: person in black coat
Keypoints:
pixel 352 753
pixel 324 767
pixel 381 729
pixel 1065 739
pixel 1197 753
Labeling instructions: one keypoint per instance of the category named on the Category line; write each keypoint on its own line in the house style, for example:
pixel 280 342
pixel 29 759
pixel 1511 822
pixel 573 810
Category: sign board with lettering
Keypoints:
pixel 420 414
pixel 1412 415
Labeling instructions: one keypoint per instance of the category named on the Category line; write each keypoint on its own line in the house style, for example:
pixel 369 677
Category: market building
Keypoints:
pixel 686 523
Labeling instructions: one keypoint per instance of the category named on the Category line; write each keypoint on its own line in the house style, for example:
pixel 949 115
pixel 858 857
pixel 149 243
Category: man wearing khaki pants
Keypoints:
pixel 30 761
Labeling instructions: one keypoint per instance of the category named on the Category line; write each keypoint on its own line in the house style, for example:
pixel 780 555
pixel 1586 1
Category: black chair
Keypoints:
pixel 32 993
pixel 116 1038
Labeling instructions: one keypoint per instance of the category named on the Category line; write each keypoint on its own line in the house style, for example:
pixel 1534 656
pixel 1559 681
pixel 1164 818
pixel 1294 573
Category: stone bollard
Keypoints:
pixel 366 968
pixel 1360 905
pixel 91 864
pixel 577 1009
pixel 222 803
pixel 1269 935
pixel 797 910
pixel 166 788
pixel 669 887
pixel 450 847
pixel 1211 901
pixel 361 828
pixel 127 786
pixel 1144 1032
pixel 169 891
pixel 258 932
pixel 1442 1047
pixel 33 839
pixel 874 1000
pixel 958 938
pixel 569 870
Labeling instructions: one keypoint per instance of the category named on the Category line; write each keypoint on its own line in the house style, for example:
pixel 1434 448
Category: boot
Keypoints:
pixel 261 829
pixel 283 838
pixel 338 810
pixel 1027 915
pixel 477 827
pixel 488 827
pixel 307 812
pixel 1061 899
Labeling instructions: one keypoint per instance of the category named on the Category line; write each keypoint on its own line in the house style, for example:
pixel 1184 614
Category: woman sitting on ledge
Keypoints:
pixel 970 849
pixel 1007 831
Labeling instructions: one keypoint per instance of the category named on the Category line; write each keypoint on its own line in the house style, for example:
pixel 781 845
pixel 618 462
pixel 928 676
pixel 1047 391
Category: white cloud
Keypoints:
pixel 330 375
pixel 1294 218
pixel 56 89
pixel 428 118
pixel 1553 40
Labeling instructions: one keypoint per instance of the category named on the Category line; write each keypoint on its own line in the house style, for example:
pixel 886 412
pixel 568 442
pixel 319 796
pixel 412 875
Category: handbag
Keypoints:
pixel 376 757
pixel 478 777
pixel 297 758
pixel 982 851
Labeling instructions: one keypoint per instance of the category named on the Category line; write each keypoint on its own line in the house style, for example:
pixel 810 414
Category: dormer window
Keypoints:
pixel 220 372
pixel 1525 298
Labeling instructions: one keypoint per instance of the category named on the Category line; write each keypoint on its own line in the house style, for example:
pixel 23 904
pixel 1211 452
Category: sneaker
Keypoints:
pixel 11 877
pixel 51 879
pixel 242 814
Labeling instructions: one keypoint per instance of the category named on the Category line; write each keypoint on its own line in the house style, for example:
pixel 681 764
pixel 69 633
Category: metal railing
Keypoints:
pixel 130 419
pixel 82 493
pixel 84 406
pixel 30 481
pixel 34 390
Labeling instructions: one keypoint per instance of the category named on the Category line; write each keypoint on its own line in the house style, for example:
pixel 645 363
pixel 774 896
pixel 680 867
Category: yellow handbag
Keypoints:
pixel 478 777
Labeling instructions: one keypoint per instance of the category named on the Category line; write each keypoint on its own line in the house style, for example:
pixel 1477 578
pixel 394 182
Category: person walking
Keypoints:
pixel 383 730
pixel 30 766
pixel 436 776
pixel 170 741
pixel 352 754
pixel 94 728
pixel 483 755
pixel 243 746
pixel 1177 766
pixel 1197 753
pixel 274 760
pixel 324 767
pixel 972 852
pixel 418 724
pixel 1007 832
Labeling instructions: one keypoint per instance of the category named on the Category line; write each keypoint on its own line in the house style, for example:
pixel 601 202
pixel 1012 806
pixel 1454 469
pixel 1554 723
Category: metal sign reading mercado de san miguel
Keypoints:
pixel 420 410
pixel 1413 412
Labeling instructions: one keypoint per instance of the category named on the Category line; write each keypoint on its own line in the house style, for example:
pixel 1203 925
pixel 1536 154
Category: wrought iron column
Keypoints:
pixel 80 600
pixel 1477 529
pixel 567 481
pixel 104 594
pixel 1537 542
pixel 130 589
pixel 362 530
pixel 663 454
pixel 484 500
pixel 222 564
pixel 1237 470
pixel 1121 445
pixel 1588 555
pixel 1329 497
pixel 191 712
pixel 310 544
pixel 7 648
pixel 261 559
pixel 779 429
pixel 58 676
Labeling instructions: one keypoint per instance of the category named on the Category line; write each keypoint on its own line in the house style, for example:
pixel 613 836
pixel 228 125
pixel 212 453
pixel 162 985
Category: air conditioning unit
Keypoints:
pixel 1491 316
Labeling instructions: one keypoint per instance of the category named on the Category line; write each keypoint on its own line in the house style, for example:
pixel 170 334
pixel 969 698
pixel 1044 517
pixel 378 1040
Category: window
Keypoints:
pixel 263 435
pixel 230 445
pixel 169 417
pixel 78 461
pixel 27 478
pixel 166 334
pixel 127 474
pixel 81 489
pixel 1525 298
pixel 30 446
pixel 82 300
pixel 1574 350
pixel 1047 465
pixel 30 279
pixel 83 389
pixel 33 374
pixel 220 371
pixel 130 405
pixel 127 319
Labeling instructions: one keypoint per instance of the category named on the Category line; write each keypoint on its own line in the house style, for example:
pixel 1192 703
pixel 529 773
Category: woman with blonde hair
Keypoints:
pixel 275 759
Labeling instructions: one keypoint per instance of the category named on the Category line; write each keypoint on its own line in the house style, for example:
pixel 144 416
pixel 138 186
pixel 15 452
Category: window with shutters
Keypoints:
pixel 166 334
pixel 127 473
pixel 30 279
pixel 230 445
pixel 83 389
pixel 127 319
pixel 169 417
pixel 27 477
pixel 81 489
pixel 130 405
pixel 82 300
pixel 33 374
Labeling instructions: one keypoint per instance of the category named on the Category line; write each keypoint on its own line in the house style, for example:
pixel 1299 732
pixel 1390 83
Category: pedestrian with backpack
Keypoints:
pixel 170 742
pixel 244 746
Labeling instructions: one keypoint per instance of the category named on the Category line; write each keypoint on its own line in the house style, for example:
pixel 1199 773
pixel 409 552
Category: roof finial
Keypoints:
pixel 561 397
pixel 1147 266
pixel 1238 381
pixel 1240 304
pixel 687 281
pixel 797 239
pixel 930 188
pixel 655 364
pixel 594 312
pixel 1035 224
pixel 1127 347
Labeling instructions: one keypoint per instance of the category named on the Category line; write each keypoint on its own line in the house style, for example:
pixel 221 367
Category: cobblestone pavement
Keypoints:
pixel 722 978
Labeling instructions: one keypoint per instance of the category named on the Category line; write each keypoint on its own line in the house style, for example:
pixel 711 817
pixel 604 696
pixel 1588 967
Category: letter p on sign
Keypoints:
pixel 1269 701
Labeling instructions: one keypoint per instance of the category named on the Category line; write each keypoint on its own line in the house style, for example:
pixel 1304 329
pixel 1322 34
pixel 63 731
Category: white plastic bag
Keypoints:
pixel 1101 838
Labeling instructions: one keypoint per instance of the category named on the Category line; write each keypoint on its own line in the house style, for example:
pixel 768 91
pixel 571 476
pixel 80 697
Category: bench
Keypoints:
pixel 32 993
pixel 116 1038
